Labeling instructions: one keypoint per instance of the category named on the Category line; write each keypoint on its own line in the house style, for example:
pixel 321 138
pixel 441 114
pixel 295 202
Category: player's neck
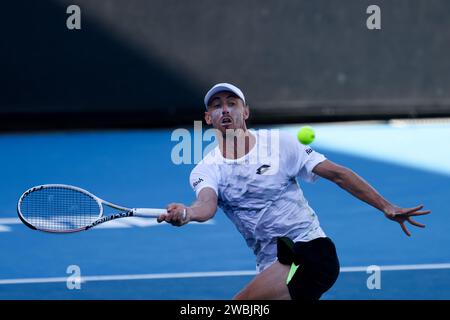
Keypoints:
pixel 236 143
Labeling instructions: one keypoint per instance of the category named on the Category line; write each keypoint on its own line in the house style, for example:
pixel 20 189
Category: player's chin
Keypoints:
pixel 229 127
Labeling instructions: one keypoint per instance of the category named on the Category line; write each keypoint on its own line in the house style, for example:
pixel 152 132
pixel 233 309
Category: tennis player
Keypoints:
pixel 259 192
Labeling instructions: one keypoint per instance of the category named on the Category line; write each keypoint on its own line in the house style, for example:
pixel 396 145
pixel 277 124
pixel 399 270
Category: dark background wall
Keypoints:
pixel 149 62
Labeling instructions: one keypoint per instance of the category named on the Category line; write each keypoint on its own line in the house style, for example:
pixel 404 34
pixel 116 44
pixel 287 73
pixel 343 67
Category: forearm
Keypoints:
pixel 358 187
pixel 201 211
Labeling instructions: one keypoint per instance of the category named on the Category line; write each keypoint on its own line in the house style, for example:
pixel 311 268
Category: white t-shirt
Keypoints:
pixel 259 192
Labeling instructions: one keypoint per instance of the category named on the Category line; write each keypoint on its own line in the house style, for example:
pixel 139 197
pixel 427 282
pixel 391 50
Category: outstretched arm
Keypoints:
pixel 357 186
pixel 203 209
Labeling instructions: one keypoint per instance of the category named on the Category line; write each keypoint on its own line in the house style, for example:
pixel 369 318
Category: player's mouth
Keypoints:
pixel 226 121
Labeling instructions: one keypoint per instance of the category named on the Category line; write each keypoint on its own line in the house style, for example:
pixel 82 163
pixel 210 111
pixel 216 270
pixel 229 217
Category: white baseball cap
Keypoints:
pixel 223 87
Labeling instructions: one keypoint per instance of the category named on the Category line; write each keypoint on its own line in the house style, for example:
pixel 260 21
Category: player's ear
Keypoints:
pixel 246 112
pixel 208 118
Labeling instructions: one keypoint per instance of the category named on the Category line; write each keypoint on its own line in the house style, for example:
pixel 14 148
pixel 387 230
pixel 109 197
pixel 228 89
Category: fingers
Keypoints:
pixel 161 218
pixel 415 223
pixel 175 215
pixel 414 211
pixel 419 213
pixel 415 208
pixel 169 217
pixel 404 214
pixel 172 206
pixel 405 230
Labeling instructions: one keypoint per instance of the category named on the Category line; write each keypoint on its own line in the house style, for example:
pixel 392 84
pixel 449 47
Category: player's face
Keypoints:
pixel 226 111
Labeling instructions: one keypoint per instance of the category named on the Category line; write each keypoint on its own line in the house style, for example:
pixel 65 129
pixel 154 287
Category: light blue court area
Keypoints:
pixel 135 258
pixel 418 144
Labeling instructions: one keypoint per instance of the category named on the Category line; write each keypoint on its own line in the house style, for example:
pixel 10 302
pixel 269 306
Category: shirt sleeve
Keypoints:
pixel 301 159
pixel 202 176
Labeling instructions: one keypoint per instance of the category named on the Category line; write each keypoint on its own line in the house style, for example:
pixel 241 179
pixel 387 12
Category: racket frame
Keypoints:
pixel 127 212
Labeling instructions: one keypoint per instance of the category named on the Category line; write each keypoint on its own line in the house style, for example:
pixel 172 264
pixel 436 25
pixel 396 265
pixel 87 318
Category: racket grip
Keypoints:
pixel 148 212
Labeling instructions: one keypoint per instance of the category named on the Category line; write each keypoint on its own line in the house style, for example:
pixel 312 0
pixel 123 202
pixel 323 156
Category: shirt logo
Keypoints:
pixel 262 169
pixel 197 182
pixel 308 151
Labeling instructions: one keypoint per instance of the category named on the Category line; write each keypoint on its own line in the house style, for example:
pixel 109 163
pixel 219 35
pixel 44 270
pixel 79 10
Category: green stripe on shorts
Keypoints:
pixel 291 273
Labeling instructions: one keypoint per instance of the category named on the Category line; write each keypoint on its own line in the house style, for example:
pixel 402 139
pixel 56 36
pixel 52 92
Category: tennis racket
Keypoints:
pixel 62 208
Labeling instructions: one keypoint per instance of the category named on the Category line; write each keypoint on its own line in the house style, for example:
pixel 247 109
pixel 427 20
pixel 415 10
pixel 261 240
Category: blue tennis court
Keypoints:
pixel 136 258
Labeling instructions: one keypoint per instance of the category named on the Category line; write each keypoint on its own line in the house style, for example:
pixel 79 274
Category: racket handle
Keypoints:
pixel 148 213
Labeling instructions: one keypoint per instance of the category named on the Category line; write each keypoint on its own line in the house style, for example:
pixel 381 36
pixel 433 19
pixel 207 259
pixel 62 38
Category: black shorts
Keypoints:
pixel 318 266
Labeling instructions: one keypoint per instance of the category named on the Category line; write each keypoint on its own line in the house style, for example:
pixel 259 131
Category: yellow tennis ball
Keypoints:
pixel 306 135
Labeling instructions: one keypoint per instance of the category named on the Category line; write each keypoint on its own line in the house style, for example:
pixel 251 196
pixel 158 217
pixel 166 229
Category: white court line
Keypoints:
pixel 134 277
pixel 10 221
pixel 4 228
pixel 435 266
pixel 400 267
pixel 120 223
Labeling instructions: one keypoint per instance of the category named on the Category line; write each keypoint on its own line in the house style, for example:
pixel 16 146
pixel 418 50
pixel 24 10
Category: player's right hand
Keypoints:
pixel 175 214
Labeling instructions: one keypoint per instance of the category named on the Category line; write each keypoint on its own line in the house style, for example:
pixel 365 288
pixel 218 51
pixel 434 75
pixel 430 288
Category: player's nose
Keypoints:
pixel 225 108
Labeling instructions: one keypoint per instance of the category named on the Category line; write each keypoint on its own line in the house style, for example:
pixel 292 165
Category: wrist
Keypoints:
pixel 387 207
pixel 189 214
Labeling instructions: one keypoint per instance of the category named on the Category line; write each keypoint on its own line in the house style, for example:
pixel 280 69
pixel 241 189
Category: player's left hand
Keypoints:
pixel 402 215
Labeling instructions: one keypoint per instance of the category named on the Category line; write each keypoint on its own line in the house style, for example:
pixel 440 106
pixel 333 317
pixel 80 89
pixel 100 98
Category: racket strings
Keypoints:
pixel 59 209
pixel 109 211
